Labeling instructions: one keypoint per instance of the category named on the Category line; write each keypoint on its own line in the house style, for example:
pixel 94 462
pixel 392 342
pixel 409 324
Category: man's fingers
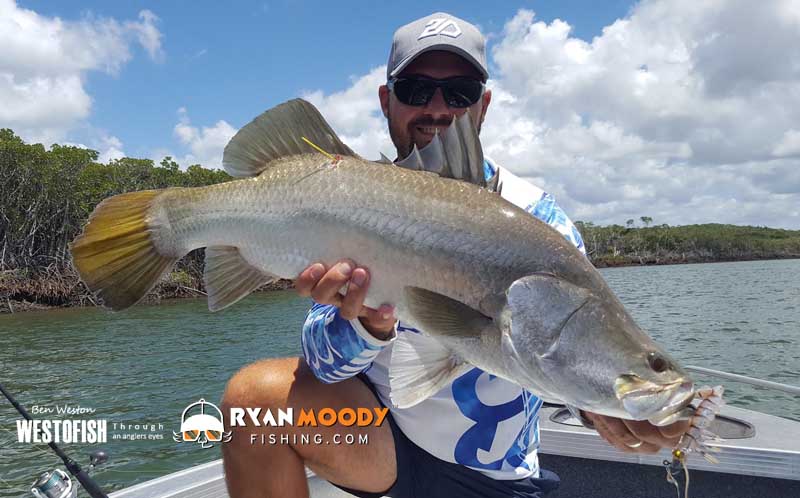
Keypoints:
pixel 323 286
pixel 616 432
pixel 648 448
pixel 382 318
pixel 645 431
pixel 306 281
pixel 634 436
pixel 379 322
pixel 356 291
pixel 606 434
pixel 327 289
pixel 676 430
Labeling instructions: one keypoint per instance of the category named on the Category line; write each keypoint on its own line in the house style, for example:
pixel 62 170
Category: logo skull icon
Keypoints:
pixel 203 428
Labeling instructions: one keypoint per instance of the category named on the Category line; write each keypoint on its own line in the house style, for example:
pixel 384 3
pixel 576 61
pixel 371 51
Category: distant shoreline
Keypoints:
pixel 9 304
pixel 688 261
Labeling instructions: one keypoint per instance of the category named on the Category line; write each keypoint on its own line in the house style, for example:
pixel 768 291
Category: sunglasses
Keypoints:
pixel 418 91
pixel 194 434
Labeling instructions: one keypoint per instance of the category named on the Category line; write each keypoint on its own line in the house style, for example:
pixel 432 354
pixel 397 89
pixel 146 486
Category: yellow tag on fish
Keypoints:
pixel 309 142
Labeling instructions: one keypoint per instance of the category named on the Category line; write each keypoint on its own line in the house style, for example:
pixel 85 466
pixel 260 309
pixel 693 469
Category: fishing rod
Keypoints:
pixel 745 379
pixel 72 466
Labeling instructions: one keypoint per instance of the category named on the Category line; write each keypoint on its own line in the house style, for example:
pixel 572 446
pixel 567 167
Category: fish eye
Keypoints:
pixel 657 362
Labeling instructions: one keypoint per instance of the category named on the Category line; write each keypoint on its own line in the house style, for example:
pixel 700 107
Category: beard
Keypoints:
pixel 404 139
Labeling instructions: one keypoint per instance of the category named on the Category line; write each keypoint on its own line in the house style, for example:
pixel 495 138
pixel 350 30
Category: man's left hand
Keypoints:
pixel 637 436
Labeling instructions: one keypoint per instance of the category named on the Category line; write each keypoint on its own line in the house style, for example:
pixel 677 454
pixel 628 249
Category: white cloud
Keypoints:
pixel 673 112
pixel 148 34
pixel 355 114
pixel 110 148
pixel 205 144
pixel 44 62
pixel 198 54
pixel 789 144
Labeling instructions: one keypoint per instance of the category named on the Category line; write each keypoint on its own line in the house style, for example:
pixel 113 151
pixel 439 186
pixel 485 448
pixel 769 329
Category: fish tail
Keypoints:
pixel 115 255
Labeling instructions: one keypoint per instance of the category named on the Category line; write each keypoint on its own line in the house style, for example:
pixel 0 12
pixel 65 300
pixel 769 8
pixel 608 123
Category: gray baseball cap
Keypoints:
pixel 439 31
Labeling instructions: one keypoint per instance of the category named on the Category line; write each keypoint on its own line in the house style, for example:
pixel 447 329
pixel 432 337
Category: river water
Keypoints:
pixel 143 367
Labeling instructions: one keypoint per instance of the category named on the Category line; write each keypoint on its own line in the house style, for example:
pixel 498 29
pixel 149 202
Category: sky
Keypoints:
pixel 683 111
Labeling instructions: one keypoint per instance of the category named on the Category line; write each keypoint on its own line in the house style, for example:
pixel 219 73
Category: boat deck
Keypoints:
pixel 767 463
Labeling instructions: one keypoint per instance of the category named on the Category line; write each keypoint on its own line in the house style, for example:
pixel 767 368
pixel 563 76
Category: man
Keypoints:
pixel 476 437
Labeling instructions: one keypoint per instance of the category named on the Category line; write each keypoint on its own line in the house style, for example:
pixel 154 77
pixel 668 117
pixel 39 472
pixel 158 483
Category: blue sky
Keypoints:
pixel 684 111
pixel 232 60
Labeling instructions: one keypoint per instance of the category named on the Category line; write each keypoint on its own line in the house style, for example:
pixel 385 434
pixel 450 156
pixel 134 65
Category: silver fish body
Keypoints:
pixel 496 287
pixel 408 228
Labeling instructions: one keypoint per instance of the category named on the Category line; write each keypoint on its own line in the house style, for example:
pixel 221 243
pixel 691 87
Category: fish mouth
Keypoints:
pixel 658 402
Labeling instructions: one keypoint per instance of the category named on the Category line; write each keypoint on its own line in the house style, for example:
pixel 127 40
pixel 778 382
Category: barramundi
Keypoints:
pixel 496 287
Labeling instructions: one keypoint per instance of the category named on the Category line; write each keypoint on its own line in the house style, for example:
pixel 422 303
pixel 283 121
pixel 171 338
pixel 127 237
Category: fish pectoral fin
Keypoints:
pixel 383 159
pixel 278 133
pixel 438 314
pixel 421 367
pixel 228 277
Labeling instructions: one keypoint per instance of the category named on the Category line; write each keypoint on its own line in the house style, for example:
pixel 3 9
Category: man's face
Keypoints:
pixel 410 125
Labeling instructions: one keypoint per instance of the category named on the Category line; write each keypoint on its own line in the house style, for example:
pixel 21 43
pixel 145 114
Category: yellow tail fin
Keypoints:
pixel 115 255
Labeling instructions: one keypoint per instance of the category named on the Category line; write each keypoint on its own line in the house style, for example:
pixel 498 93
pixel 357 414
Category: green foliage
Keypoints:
pixel 47 195
pixel 615 245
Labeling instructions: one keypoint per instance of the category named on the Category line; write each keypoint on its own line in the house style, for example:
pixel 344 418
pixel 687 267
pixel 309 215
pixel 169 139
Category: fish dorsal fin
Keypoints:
pixel 420 367
pixel 472 150
pixel 433 158
pixel 457 153
pixel 438 314
pixel 278 133
pixel 229 278
pixel 383 159
pixel 412 161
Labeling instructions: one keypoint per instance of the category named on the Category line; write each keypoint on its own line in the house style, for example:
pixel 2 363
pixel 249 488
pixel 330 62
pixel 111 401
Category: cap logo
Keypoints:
pixel 440 26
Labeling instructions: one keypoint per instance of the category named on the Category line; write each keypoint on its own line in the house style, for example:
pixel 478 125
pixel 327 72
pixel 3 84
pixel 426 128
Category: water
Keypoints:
pixel 145 365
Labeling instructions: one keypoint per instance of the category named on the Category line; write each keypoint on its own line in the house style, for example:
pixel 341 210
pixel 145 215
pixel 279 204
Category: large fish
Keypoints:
pixel 498 288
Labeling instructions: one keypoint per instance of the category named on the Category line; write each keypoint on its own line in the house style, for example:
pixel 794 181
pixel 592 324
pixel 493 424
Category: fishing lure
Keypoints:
pixel 698 437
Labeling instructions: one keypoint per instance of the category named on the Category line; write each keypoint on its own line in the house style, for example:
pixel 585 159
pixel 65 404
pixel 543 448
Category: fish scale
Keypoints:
pixel 277 214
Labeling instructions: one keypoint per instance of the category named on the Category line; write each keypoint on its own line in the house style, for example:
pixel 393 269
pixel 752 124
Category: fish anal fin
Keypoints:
pixel 228 277
pixel 421 367
pixel 278 133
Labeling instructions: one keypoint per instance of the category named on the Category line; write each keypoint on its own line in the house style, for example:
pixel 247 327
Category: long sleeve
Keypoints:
pixel 337 349
pixel 535 201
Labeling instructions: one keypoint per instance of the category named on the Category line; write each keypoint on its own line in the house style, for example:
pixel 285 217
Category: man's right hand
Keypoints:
pixel 322 284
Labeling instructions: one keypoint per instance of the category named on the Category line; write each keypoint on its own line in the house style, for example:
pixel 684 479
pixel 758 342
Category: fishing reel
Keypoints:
pixel 58 484
pixel 54 484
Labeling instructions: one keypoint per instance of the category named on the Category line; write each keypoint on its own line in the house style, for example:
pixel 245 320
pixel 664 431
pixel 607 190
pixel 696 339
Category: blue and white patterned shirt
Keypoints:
pixel 481 421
